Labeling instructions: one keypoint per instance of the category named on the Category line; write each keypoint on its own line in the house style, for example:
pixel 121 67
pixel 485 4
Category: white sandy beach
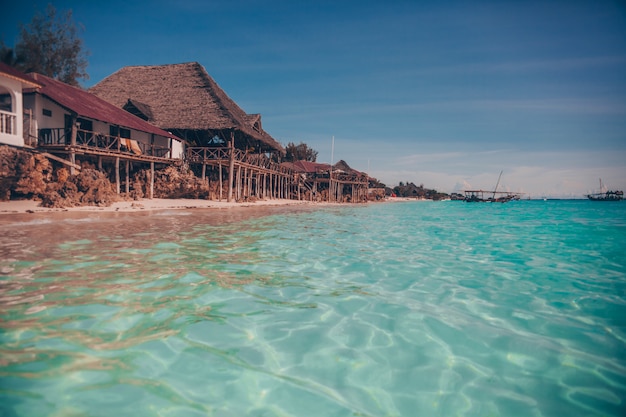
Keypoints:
pixel 32 206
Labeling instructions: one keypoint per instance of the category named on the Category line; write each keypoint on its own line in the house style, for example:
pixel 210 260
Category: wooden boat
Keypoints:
pixel 606 195
pixel 478 196
pixel 495 196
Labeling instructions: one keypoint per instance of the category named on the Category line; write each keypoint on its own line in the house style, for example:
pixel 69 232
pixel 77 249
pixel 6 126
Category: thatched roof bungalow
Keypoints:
pixel 321 181
pixel 185 100
pixel 307 167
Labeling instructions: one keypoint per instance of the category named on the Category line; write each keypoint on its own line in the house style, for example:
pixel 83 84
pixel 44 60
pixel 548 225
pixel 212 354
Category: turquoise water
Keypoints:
pixel 404 309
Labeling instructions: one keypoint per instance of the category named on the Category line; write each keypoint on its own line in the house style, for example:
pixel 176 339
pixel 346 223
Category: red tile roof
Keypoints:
pixel 88 105
pixel 17 75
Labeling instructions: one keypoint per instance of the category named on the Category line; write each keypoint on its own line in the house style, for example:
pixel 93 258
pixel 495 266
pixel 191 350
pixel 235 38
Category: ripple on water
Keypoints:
pixel 404 309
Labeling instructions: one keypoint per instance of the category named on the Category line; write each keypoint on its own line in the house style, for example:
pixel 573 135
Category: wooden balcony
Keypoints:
pixel 221 156
pixel 98 144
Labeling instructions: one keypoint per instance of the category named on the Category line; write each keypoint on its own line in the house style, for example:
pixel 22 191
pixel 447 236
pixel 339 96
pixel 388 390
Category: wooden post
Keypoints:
pixel 73 135
pixel 250 183
pixel 231 166
pixel 127 177
pixel 241 174
pixel 220 167
pixel 151 180
pixel 117 174
pixel 238 180
pixel 260 185
pixel 263 185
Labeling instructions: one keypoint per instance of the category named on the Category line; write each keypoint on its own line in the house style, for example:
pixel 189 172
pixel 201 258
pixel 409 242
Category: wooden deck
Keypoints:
pixel 238 174
pixel 100 145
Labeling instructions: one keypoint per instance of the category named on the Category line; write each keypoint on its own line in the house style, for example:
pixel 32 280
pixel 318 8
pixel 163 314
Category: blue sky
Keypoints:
pixel 441 93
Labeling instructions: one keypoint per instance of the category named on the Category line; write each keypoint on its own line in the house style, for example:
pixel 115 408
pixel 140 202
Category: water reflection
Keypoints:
pixel 110 281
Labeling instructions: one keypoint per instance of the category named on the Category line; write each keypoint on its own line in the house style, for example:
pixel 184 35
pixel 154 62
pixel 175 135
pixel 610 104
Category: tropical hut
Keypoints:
pixel 310 179
pixel 185 100
pixel 338 183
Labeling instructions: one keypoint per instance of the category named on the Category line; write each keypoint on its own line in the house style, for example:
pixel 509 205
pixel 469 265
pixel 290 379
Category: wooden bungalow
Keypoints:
pixel 73 125
pixel 12 117
pixel 323 182
pixel 185 100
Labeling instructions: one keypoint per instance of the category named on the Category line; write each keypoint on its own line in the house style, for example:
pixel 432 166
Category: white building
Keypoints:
pixel 12 84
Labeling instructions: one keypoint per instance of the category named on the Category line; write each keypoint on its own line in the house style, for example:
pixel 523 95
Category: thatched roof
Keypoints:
pixel 343 166
pixel 85 104
pixel 183 97
pixel 306 166
pixel 316 167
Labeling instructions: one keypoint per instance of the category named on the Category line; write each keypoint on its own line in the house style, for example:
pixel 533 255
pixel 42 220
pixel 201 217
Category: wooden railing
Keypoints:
pixel 8 123
pixel 52 137
pixel 207 155
pixel 199 155
pixel 100 141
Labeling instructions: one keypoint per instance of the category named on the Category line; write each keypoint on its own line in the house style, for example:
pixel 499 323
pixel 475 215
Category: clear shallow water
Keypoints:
pixel 406 309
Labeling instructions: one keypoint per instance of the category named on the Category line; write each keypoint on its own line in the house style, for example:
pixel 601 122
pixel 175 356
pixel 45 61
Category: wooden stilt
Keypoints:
pixel 127 177
pixel 220 169
pixel 264 186
pixel 74 133
pixel 231 165
pixel 117 175
pixel 151 180
pixel 238 190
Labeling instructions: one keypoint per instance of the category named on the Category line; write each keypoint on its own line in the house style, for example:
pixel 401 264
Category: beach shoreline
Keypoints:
pixel 15 210
pixel 32 206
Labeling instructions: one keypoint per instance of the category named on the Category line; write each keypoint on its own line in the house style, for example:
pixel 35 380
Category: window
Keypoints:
pixel 84 124
pixel 123 133
pixel 47 112
pixel 5 102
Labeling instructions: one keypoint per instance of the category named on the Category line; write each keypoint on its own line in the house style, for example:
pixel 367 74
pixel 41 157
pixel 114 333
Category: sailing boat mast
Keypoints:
pixel 498 183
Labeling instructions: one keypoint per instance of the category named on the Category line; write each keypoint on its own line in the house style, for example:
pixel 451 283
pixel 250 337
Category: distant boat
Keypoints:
pixel 606 195
pixel 495 196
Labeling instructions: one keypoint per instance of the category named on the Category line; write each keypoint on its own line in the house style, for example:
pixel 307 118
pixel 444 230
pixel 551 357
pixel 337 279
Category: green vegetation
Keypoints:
pixel 49 45
pixel 300 152
pixel 413 191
